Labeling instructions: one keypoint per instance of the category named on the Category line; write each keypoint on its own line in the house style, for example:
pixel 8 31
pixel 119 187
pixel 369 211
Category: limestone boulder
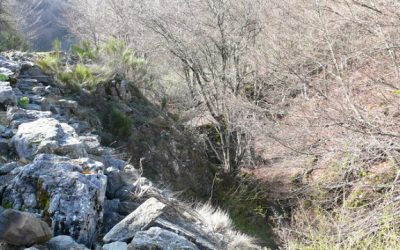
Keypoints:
pixel 49 136
pixel 138 220
pixel 68 193
pixel 17 116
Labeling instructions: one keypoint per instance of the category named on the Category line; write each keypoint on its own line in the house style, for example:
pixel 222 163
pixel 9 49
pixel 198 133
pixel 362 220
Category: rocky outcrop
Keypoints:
pixel 17 116
pixel 70 194
pixel 22 229
pixel 56 168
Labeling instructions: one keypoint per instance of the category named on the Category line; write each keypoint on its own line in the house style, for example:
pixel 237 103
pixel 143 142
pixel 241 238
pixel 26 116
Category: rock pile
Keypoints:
pixel 74 193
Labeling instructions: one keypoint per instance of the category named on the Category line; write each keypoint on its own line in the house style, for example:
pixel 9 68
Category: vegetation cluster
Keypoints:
pixel 301 95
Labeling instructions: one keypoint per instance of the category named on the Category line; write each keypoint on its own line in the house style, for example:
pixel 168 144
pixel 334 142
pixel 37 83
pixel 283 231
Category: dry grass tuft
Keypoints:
pixel 220 223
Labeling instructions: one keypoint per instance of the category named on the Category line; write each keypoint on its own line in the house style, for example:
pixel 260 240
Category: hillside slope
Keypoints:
pixel 54 167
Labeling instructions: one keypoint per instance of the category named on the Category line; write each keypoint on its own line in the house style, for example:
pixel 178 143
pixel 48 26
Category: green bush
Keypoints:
pixel 82 73
pixel 67 78
pixel 84 51
pixel 122 61
pixel 23 102
pixel 3 77
pixel 50 63
pixel 84 76
pixel 111 61
pixel 120 125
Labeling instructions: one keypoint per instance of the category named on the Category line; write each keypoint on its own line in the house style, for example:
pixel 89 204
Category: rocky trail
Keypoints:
pixel 61 189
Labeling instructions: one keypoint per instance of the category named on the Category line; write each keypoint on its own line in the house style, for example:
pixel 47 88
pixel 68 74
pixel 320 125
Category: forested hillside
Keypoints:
pixel 284 113
pixel 38 22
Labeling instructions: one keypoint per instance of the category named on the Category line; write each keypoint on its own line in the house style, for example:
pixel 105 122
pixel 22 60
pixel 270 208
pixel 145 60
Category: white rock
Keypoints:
pixel 47 136
pixel 138 220
pixel 62 188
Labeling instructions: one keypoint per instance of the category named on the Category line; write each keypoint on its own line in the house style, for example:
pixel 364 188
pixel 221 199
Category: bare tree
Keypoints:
pixel 212 41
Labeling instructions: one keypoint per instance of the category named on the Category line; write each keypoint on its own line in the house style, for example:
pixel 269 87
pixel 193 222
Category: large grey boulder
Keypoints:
pixel 69 194
pixel 138 220
pixel 64 242
pixel 7 95
pixel 22 229
pixel 157 238
pixel 17 116
pixel 47 135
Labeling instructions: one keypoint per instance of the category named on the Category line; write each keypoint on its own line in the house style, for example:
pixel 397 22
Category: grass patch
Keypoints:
pixel 50 63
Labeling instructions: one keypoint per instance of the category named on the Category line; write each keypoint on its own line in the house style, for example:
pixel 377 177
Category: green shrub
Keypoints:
pixel 84 51
pixel 112 60
pixel 79 76
pixel 50 63
pixel 82 73
pixel 122 61
pixel 3 77
pixel 23 101
pixel 119 124
pixel 67 78
pixel 83 76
